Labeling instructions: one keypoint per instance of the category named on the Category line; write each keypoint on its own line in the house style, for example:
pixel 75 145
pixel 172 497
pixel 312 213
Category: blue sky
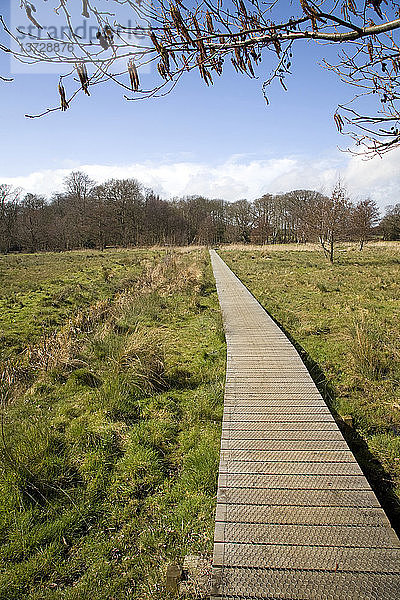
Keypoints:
pixel 222 141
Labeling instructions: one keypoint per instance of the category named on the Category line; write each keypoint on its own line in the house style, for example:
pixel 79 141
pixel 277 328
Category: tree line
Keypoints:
pixel 120 212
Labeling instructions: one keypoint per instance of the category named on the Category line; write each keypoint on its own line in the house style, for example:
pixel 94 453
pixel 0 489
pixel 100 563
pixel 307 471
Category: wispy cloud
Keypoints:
pixel 241 177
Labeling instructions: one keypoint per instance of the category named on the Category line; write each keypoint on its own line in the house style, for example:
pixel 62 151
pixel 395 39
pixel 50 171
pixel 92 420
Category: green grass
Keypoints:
pixel 38 291
pixel 109 450
pixel 345 319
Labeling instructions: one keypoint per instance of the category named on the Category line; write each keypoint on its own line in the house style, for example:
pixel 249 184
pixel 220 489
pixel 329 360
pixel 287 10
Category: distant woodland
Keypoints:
pixel 120 212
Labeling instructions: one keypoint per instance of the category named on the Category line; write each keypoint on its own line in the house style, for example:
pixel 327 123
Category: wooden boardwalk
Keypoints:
pixel 296 519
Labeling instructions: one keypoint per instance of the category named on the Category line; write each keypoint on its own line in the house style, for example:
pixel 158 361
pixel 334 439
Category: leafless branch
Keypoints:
pixel 177 39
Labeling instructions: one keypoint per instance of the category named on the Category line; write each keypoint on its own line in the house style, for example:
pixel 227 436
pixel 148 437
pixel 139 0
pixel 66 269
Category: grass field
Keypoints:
pixel 112 387
pixel 37 291
pixel 345 320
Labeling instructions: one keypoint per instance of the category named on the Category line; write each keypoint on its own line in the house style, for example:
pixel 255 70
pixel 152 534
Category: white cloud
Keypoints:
pixel 378 177
pixel 241 177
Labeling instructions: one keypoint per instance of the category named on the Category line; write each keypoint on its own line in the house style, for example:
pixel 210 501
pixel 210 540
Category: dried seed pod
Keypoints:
pixel 202 49
pixel 276 42
pixel 83 77
pixel 311 12
pixel 64 101
pixel 250 67
pixel 339 122
pixel 196 25
pixel 242 8
pixel 204 73
pixel 102 40
pixel 254 55
pixel 233 61
pixel 155 41
pixel 29 9
pixel 200 65
pixel 108 34
pixel 133 75
pixel 370 50
pixel 185 63
pixel 167 33
pixel 210 25
pixel 176 16
pixel 217 65
pixel 165 58
pixel 162 71
pixel 172 55
pixel 85 9
pixel 179 24
pixel 185 34
pixel 207 77
pixel 239 59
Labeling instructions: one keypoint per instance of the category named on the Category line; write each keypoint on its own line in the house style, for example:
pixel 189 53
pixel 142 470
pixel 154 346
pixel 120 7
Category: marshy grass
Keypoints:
pixel 38 292
pixel 370 353
pixel 110 444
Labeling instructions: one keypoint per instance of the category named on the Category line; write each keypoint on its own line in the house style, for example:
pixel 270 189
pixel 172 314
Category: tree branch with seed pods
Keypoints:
pixel 205 35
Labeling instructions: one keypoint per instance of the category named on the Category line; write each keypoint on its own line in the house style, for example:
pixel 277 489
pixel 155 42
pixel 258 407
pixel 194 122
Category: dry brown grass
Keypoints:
pixel 173 273
pixel 60 349
pixel 143 353
pixel 307 247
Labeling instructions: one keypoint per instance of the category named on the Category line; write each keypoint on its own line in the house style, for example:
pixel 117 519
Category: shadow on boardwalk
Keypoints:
pixel 378 478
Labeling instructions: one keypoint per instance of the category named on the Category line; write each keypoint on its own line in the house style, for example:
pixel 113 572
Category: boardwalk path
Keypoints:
pixel 296 518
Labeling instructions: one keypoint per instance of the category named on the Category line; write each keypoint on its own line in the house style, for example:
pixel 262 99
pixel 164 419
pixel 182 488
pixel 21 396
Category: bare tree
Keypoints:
pixel 176 39
pixel 121 213
pixel 196 214
pixel 9 204
pixel 32 232
pixel 241 217
pixel 364 217
pixel 78 189
pixel 162 222
pixel 263 217
pixel 125 203
pixel 101 216
pixel 79 185
pixel 324 218
pixel 390 224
